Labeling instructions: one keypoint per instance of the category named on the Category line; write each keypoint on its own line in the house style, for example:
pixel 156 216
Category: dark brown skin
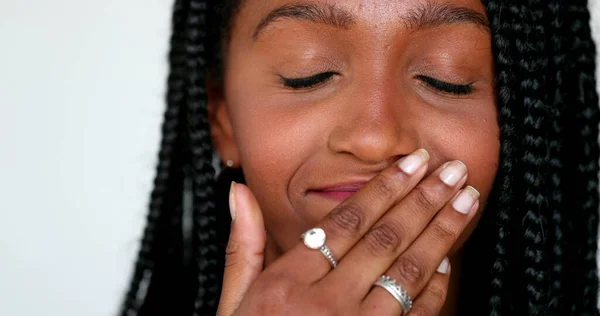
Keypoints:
pixel 292 143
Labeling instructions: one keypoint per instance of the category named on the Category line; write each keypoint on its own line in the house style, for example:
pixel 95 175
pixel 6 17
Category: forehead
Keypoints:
pixel 379 8
pixel 256 15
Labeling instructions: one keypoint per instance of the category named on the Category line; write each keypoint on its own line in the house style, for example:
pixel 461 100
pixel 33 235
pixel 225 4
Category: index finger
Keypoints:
pixel 346 224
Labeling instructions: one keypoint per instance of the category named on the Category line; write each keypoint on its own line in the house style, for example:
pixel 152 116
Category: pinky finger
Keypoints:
pixel 432 298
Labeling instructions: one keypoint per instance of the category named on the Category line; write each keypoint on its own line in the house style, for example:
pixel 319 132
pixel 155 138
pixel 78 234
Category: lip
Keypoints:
pixel 339 191
pixel 341 187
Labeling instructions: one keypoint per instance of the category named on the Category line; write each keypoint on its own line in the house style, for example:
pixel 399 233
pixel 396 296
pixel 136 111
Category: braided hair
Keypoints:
pixel 534 250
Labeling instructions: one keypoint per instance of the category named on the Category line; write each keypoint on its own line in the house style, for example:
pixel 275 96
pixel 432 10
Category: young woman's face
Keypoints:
pixel 382 78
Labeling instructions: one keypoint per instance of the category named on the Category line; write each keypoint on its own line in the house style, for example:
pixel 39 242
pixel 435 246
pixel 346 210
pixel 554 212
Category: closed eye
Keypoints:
pixel 307 82
pixel 446 87
pixel 318 79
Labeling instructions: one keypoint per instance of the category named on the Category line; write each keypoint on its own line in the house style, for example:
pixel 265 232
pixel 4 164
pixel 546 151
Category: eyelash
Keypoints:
pixel 308 82
pixel 321 78
pixel 446 87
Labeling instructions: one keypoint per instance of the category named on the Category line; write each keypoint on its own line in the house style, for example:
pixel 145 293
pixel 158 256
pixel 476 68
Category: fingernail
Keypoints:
pixel 444 267
pixel 453 173
pixel 411 163
pixel 232 203
pixel 466 200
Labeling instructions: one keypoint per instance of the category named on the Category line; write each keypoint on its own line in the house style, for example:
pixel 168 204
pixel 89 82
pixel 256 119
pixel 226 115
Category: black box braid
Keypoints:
pixel 584 116
pixel 543 258
pixel 160 263
pixel 205 243
pixel 555 93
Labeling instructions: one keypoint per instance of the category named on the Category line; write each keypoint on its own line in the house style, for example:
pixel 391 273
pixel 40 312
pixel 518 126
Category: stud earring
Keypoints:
pixel 229 163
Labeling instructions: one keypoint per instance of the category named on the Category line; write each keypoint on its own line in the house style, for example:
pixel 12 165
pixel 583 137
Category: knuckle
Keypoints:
pixel 271 306
pixel 437 292
pixel 232 252
pixel 384 186
pixel 424 198
pixel 271 283
pixel 329 302
pixel 383 239
pixel 444 231
pixel 347 220
pixel 410 272
pixel 320 306
pixel 278 293
pixel 421 310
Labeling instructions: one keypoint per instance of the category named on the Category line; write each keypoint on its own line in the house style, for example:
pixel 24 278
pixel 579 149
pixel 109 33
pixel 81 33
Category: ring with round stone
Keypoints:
pixel 314 238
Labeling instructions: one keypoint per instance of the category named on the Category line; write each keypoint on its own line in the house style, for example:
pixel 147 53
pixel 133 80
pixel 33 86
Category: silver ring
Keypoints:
pixel 397 292
pixel 314 238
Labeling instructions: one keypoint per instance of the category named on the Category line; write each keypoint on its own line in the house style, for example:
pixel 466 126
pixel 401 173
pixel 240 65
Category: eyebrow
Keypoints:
pixel 427 16
pixel 432 15
pixel 316 13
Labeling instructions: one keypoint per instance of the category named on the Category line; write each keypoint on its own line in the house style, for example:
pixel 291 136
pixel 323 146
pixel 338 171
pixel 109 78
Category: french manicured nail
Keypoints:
pixel 232 202
pixel 411 163
pixel 444 267
pixel 453 173
pixel 466 200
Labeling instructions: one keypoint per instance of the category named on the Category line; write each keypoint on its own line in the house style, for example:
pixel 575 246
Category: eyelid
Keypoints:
pixel 439 85
pixel 306 67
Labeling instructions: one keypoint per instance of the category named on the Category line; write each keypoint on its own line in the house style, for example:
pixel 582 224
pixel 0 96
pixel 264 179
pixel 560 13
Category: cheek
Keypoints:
pixel 477 145
pixel 274 139
pixel 475 141
pixel 267 153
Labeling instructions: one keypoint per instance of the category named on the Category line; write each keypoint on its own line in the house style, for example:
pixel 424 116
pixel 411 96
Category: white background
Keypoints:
pixel 81 100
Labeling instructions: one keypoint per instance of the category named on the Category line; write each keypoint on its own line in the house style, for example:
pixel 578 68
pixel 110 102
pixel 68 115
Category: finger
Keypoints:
pixel 398 229
pixel 432 298
pixel 349 221
pixel 245 250
pixel 429 302
pixel 413 269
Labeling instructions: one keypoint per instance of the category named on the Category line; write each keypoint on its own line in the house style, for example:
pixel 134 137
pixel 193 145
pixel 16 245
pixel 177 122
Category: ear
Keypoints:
pixel 221 129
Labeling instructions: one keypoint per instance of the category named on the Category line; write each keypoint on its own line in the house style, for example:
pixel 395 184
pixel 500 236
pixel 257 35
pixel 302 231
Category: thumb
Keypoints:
pixel 245 250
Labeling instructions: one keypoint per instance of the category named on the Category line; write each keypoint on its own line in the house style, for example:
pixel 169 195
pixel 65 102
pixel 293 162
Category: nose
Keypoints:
pixel 374 127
